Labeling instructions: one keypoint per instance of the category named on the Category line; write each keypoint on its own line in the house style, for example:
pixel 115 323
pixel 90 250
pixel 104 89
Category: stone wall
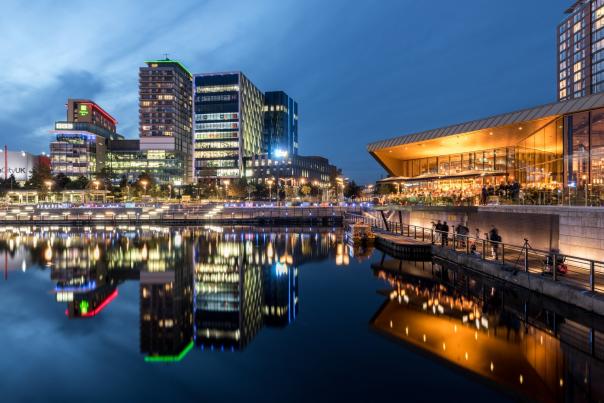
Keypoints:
pixel 576 231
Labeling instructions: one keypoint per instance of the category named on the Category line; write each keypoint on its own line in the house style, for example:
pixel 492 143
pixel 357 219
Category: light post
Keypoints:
pixel 585 187
pixel 226 188
pixel 144 182
pixel 96 184
pixel 270 189
pixel 170 192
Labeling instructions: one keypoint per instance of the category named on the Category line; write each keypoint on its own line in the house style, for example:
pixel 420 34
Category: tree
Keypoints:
pixel 352 190
pixel 238 188
pixel 305 190
pixel 261 192
pixel 39 175
pixel 61 181
pixel 385 189
pixel 9 183
pixel 145 183
pixel 78 184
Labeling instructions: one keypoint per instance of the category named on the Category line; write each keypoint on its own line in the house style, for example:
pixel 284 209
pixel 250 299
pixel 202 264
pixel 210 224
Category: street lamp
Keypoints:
pixel 49 184
pixel 270 189
pixel 96 184
pixel 170 189
pixel 226 187
pixel 145 182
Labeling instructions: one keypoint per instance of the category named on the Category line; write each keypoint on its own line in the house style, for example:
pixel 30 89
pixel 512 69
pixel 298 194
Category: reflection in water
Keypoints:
pixel 211 287
pixel 492 331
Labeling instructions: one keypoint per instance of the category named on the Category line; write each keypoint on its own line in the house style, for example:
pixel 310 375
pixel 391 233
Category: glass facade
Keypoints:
pixel 535 161
pixel 280 124
pixel 581 51
pixel 76 154
pixel 228 124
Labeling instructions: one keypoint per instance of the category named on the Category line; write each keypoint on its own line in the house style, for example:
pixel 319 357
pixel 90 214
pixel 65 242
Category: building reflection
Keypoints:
pixel 494 332
pixel 213 287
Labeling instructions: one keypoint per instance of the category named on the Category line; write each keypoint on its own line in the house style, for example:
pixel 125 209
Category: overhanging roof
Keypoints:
pixel 552 111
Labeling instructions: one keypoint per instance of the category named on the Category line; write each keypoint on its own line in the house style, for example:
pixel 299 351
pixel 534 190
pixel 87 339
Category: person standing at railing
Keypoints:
pixel 445 234
pixel 437 230
pixel 495 239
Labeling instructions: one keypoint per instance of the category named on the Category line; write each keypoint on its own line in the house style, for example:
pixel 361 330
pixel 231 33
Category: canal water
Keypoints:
pixel 272 314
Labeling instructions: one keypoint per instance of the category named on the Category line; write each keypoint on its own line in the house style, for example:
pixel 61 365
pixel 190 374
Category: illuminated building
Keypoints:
pixel 165 113
pixel 228 294
pixel 280 124
pixel 280 287
pixel 80 146
pixel 228 124
pixel 18 164
pixel 124 159
pixel 295 170
pixel 166 313
pixel 581 50
pixel 559 145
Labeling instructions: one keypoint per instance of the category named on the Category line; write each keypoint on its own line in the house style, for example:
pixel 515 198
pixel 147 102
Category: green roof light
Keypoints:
pixel 170 61
pixel 170 358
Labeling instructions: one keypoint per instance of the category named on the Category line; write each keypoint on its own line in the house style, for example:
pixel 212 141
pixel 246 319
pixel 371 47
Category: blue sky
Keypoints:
pixel 360 70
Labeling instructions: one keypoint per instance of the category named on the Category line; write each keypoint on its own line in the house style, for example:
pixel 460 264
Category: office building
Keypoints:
pixel 554 146
pixel 292 169
pixel 280 124
pixel 581 50
pixel 80 144
pixel 165 115
pixel 228 124
pixel 19 164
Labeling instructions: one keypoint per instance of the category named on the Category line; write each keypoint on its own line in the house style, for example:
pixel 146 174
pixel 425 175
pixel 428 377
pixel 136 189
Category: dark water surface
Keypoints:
pixel 268 314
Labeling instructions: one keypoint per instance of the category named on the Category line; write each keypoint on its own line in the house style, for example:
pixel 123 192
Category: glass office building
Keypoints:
pixel 280 124
pixel 554 146
pixel 228 124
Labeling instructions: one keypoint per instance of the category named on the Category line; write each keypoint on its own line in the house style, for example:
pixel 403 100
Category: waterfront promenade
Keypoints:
pixel 221 213
pixel 581 285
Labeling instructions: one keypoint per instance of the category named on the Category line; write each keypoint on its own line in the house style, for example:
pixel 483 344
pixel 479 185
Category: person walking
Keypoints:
pixel 483 195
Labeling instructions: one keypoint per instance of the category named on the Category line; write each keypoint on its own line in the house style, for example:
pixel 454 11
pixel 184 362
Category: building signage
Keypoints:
pixel 19 164
pixel 83 110
pixel 63 126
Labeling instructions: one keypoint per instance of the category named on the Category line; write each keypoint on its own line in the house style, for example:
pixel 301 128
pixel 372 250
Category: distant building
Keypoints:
pixel 228 124
pixel 165 115
pixel 581 50
pixel 280 124
pixel 80 144
pixel 124 159
pixel 297 169
pixel 20 164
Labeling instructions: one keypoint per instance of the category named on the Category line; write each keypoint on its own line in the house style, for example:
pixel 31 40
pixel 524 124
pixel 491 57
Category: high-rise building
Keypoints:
pixel 581 50
pixel 280 124
pixel 165 114
pixel 80 145
pixel 228 124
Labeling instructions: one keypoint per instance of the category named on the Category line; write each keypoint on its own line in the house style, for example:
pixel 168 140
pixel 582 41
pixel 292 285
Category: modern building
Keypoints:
pixel 228 124
pixel 554 146
pixel 19 164
pixel 165 114
pixel 280 124
pixel 80 145
pixel 581 50
pixel 295 168
pixel 124 159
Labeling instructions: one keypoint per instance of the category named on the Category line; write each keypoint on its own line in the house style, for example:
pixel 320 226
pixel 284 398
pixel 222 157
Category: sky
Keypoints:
pixel 361 71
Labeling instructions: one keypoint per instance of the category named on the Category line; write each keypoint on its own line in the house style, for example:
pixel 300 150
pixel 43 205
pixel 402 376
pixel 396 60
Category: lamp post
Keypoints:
pixel 144 182
pixel 96 184
pixel 585 187
pixel 226 188
pixel 170 192
pixel 270 189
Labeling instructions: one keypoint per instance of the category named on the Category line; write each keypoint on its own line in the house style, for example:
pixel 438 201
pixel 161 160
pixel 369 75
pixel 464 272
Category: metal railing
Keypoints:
pixel 580 272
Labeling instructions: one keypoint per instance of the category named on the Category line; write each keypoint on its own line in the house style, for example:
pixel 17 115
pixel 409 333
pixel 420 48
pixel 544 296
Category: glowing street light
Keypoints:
pixel 96 184
pixel 270 189
pixel 48 184
pixel 145 182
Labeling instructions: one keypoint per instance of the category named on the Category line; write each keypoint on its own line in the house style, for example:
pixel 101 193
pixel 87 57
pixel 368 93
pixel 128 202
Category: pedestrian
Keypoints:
pixel 495 239
pixel 445 234
pixel 483 195
pixel 438 227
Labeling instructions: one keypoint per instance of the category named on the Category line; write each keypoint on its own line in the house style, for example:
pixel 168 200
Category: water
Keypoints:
pixel 268 314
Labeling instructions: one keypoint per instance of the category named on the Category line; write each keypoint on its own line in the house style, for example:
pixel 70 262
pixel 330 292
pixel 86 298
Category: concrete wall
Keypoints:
pixel 576 231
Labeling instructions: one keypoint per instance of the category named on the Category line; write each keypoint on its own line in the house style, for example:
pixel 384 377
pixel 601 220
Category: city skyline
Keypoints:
pixel 313 68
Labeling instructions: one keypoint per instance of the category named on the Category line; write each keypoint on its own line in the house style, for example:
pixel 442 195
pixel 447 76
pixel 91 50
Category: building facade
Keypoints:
pixel 296 169
pixel 80 144
pixel 555 146
pixel 581 50
pixel 228 124
pixel 280 124
pixel 165 114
